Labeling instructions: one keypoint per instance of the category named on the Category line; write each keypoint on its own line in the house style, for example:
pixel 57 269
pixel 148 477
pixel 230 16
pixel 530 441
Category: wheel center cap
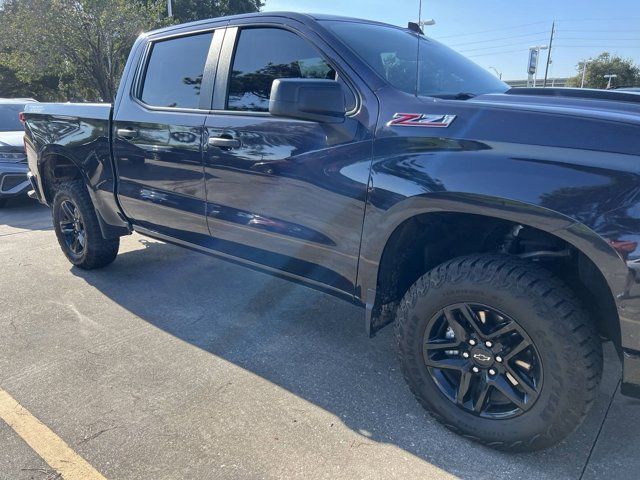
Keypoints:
pixel 482 357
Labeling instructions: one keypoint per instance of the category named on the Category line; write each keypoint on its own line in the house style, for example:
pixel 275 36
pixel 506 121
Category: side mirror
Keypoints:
pixel 307 99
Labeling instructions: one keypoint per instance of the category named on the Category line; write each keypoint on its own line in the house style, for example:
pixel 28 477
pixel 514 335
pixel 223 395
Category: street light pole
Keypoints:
pixel 169 8
pixel 497 72
pixel 537 48
pixel 584 73
pixel 424 23
pixel 610 76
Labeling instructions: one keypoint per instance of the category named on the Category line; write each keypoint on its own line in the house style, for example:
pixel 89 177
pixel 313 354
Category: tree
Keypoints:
pixel 627 73
pixel 47 86
pixel 83 44
pixel 77 49
pixel 188 10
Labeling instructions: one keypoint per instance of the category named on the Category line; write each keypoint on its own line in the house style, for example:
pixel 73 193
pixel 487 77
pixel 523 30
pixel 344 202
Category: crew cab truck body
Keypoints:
pixel 498 228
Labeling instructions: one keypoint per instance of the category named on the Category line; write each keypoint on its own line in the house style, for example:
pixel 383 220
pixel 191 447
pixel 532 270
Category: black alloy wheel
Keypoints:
pixel 500 350
pixel 72 227
pixel 78 229
pixel 482 360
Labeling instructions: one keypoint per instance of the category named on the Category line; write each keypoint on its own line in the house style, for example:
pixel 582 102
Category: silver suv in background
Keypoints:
pixel 13 160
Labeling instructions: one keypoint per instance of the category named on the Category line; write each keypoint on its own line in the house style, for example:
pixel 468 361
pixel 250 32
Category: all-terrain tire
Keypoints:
pixel 551 315
pixel 96 251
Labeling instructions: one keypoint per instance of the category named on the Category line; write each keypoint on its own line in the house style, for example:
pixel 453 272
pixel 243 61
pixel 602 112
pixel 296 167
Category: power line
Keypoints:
pixel 496 53
pixel 528 42
pixel 597 46
pixel 570 20
pixel 591 38
pixel 493 30
pixel 573 20
pixel 601 31
pixel 542 40
pixel 499 38
pixel 524 47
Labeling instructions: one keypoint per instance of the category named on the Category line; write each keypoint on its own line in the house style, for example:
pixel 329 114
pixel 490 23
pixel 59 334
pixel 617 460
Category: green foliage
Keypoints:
pixel 188 10
pixel 44 87
pixel 76 49
pixel 71 49
pixel 605 64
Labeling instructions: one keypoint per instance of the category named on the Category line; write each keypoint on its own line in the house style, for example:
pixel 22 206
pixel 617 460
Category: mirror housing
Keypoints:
pixel 312 99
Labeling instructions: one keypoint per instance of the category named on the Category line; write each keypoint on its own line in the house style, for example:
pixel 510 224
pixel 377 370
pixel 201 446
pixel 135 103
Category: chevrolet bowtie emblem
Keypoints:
pixel 481 357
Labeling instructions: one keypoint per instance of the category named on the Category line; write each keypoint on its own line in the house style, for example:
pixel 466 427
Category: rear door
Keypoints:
pixel 158 134
pixel 287 194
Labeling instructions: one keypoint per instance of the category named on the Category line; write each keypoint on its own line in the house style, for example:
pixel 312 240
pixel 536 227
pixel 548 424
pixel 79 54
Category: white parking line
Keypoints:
pixel 44 442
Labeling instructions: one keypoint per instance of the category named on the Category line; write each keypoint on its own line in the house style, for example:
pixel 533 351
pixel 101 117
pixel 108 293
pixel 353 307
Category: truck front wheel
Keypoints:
pixel 78 230
pixel 500 351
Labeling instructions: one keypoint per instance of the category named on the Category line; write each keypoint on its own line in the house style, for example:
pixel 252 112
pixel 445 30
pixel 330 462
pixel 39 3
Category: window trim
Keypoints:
pixel 227 57
pixel 208 75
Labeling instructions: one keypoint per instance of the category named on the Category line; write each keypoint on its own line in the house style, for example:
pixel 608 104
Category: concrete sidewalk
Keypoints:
pixel 171 364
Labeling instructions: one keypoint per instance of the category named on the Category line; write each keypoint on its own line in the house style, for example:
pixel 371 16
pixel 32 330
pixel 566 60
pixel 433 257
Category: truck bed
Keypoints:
pixel 75 134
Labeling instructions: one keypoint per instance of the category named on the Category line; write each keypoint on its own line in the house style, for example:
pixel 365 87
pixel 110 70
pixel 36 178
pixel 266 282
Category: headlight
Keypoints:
pixel 14 157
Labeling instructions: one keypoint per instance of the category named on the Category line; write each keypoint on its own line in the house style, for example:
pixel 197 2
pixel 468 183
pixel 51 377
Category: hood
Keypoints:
pixel 601 104
pixel 12 140
pixel 583 120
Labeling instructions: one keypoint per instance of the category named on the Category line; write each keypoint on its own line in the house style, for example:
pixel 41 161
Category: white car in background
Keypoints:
pixel 13 160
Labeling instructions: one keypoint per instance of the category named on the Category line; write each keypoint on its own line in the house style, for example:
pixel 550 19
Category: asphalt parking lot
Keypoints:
pixel 169 364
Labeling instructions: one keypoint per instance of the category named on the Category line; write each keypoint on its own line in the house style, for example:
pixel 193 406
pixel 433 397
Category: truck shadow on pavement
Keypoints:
pixel 314 346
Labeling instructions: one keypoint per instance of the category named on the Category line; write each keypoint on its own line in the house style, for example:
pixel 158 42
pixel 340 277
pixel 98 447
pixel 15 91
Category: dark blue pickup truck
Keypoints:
pixel 497 228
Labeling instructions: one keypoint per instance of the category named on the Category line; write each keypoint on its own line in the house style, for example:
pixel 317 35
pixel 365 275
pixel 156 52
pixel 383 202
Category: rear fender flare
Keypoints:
pixel 111 225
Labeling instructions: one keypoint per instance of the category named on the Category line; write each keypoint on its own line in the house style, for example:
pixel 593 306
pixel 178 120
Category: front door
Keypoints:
pixel 158 137
pixel 287 194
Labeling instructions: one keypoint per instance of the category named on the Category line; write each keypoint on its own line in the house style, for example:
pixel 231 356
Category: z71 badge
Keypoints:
pixel 421 120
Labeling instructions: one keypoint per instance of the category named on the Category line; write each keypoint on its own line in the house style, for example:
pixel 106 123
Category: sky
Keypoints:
pixel 498 33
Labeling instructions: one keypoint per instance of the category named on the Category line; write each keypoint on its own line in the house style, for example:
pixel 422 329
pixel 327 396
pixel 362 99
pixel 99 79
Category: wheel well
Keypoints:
pixel 55 170
pixel 425 241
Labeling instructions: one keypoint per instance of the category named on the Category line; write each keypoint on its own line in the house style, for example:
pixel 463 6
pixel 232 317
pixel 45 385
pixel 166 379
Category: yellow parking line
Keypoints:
pixel 44 442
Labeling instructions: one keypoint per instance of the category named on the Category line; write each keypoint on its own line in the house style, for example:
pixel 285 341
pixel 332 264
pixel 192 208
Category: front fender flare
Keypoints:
pixel 596 248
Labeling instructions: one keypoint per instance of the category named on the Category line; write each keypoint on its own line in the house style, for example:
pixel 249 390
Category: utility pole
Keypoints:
pixel 546 71
pixel 169 8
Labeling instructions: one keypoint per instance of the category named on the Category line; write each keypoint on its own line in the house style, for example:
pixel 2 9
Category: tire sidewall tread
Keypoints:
pixel 98 251
pixel 566 340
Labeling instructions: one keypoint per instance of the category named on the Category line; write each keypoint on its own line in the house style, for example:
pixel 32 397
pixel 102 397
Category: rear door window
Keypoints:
pixel 174 71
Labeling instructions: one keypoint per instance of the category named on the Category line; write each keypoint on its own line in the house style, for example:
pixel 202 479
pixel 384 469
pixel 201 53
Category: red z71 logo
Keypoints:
pixel 421 120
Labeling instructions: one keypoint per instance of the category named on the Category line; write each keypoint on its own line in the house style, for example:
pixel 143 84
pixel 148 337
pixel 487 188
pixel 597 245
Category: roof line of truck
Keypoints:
pixel 301 17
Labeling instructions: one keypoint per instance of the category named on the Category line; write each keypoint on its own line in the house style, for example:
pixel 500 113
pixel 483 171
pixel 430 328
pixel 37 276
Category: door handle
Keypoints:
pixel 126 133
pixel 224 142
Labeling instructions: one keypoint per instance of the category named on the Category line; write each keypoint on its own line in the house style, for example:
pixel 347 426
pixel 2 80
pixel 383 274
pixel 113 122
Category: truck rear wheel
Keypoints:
pixel 78 230
pixel 500 351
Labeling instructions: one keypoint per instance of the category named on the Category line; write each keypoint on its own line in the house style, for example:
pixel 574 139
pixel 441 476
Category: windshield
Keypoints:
pixel 392 53
pixel 9 121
